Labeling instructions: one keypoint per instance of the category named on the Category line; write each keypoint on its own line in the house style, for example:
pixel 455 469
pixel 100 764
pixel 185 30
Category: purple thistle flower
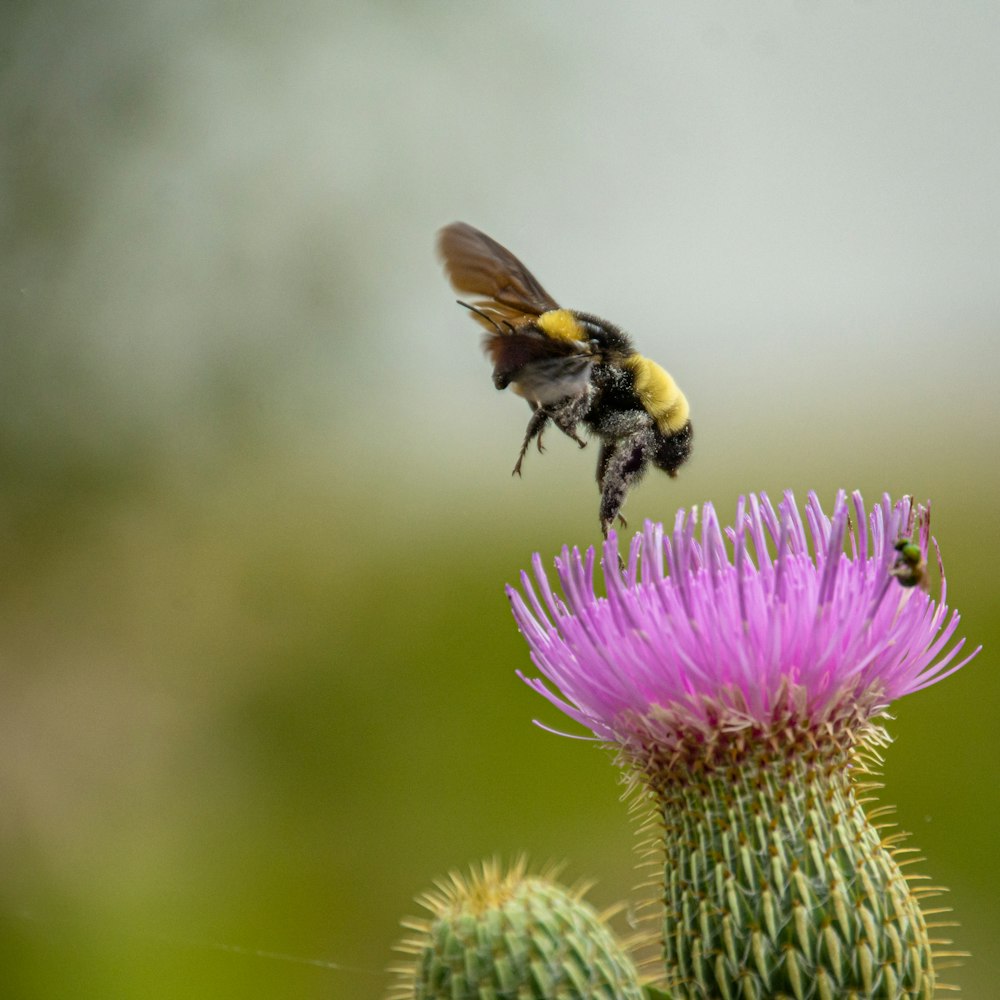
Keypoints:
pixel 741 691
pixel 809 634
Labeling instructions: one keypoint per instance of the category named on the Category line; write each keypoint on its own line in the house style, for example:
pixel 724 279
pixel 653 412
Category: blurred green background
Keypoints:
pixel 255 498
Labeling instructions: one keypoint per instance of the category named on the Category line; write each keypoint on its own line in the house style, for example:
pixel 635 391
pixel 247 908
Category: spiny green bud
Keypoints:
pixel 511 936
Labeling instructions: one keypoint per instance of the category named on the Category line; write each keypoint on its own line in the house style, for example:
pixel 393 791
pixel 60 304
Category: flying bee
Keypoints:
pixel 910 567
pixel 572 368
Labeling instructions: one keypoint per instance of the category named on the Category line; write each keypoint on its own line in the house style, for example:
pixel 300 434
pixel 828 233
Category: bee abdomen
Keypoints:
pixel 659 394
pixel 673 450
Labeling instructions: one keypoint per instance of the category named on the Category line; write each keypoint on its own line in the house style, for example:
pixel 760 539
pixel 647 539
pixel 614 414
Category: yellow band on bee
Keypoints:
pixel 658 393
pixel 560 324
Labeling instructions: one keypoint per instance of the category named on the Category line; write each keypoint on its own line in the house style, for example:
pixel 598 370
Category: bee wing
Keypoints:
pixel 479 265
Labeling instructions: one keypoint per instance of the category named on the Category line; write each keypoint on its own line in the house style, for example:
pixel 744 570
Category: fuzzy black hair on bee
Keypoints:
pixel 573 368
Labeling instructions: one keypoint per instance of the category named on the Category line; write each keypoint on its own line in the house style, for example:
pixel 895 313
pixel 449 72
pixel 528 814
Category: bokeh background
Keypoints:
pixel 256 510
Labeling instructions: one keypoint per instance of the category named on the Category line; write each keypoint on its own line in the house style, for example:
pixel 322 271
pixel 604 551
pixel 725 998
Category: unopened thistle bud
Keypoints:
pixel 501 935
pixel 740 673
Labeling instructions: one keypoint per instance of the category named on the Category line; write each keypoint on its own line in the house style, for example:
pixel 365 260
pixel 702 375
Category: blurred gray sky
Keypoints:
pixel 787 205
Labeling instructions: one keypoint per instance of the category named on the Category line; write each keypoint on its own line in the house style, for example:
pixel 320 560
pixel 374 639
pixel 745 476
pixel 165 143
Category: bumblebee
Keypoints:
pixel 572 368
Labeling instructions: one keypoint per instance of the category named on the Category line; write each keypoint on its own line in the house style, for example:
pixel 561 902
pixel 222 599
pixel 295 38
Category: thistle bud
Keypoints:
pixel 496 934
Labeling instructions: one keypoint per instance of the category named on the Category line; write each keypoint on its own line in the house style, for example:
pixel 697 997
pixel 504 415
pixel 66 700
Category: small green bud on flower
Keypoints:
pixel 511 936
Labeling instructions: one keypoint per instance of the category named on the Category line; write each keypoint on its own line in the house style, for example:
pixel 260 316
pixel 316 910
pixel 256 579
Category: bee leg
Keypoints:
pixel 621 465
pixel 566 420
pixel 603 456
pixel 602 467
pixel 535 427
pixel 602 464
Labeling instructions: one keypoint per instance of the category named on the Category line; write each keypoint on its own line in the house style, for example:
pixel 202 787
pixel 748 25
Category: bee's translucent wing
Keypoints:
pixel 479 265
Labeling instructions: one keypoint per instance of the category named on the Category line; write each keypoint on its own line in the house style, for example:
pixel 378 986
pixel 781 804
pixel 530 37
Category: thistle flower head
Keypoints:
pixel 739 670
pixel 787 619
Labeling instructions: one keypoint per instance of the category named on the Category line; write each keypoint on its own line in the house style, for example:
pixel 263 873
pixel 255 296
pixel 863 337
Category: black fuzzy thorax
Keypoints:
pixel 615 343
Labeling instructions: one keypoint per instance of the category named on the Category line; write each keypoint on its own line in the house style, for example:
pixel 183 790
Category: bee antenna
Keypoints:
pixel 489 319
